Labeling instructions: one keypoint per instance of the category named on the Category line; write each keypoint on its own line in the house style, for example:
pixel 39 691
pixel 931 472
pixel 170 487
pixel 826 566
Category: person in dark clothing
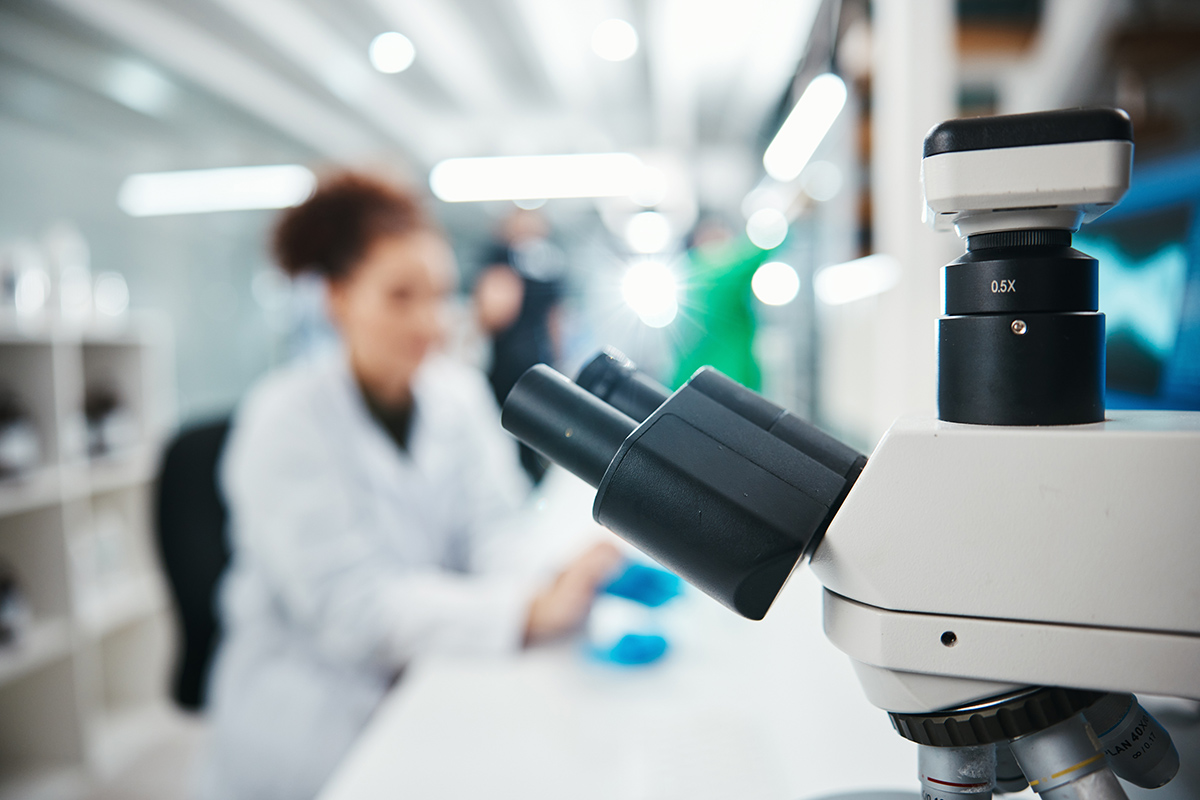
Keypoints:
pixel 517 299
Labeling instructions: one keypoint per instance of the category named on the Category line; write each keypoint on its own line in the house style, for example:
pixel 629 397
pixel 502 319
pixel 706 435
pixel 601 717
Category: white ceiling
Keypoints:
pixel 491 76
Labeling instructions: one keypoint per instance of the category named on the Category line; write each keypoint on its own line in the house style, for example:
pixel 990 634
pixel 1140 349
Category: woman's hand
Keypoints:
pixel 565 603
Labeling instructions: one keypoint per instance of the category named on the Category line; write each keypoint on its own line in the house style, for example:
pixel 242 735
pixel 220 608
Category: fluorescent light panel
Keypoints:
pixel 806 125
pixel 856 280
pixel 204 190
pixel 459 180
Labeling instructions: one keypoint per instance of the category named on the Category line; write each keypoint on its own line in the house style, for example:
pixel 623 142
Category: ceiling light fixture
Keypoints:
pixel 805 127
pixel 767 228
pixel 856 280
pixel 649 287
pixel 459 180
pixel 391 52
pixel 648 232
pixel 614 40
pixel 775 283
pixel 199 191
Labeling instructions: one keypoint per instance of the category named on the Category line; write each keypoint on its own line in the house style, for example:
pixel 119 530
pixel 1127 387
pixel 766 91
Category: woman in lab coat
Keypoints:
pixel 364 492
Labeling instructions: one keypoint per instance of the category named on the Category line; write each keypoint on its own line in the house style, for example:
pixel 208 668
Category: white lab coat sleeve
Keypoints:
pixel 306 523
pixel 496 488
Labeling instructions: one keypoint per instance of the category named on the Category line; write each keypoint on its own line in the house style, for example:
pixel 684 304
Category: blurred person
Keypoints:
pixel 718 327
pixel 517 300
pixel 364 489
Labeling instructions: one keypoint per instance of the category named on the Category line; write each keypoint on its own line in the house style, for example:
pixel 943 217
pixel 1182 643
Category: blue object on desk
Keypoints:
pixel 649 586
pixel 637 648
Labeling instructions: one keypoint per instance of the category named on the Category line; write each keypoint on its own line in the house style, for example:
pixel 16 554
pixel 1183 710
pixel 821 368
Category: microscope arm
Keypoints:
pixel 1036 585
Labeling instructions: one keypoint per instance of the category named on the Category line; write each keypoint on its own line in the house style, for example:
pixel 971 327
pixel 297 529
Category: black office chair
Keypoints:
pixel 192 543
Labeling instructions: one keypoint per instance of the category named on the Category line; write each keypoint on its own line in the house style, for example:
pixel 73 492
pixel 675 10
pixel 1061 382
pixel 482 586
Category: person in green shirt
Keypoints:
pixel 717 322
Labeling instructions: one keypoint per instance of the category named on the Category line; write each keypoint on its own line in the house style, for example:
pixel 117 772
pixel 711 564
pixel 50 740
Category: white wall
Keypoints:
pixel 197 269
pixel 879 354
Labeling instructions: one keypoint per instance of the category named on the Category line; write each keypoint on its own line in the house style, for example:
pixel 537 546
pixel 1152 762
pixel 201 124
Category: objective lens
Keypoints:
pixel 1009 778
pixel 1139 749
pixel 1064 762
pixel 950 773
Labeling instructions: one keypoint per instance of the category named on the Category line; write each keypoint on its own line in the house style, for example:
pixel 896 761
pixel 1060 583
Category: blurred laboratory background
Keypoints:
pixel 691 181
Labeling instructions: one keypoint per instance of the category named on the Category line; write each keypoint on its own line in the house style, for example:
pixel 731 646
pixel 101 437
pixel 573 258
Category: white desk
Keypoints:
pixel 736 710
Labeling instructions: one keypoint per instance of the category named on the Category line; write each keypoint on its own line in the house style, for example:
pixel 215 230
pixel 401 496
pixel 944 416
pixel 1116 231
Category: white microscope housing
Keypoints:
pixel 1004 577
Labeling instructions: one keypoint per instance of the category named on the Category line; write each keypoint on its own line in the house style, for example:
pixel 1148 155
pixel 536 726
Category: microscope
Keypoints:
pixel 1006 577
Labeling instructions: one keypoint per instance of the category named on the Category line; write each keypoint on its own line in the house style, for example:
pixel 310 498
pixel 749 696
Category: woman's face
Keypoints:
pixel 390 307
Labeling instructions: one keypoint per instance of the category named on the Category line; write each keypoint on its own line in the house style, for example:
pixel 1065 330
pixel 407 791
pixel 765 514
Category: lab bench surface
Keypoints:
pixel 736 709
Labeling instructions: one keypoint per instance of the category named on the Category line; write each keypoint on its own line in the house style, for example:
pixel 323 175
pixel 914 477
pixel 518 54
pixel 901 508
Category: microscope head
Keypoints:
pixel 1048 170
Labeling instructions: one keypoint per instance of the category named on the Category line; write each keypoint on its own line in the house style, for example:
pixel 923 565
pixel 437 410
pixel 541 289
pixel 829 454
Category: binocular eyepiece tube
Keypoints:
pixel 715 482
pixel 565 423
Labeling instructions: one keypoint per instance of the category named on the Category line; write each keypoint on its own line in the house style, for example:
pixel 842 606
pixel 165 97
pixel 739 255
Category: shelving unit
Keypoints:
pixel 83 687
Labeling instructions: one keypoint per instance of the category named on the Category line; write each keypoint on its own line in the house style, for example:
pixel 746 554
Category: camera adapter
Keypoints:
pixel 1021 341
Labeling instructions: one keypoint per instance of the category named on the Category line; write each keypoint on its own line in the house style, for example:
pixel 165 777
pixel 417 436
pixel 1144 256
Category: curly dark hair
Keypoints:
pixel 330 232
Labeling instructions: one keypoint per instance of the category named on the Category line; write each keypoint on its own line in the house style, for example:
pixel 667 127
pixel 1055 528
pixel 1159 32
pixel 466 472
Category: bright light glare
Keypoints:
pixel 767 228
pixel 111 294
pixel 614 40
pixel 652 188
pixel 855 280
pixel 31 292
pixel 821 180
pixel 75 291
pixel 648 232
pixel 391 52
pixel 459 180
pixel 775 283
pixel 138 86
pixel 203 190
pixel 770 195
pixel 806 125
pixel 649 288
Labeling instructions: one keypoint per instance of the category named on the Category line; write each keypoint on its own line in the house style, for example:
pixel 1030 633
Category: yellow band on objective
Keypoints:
pixel 1091 760
pixel 1060 773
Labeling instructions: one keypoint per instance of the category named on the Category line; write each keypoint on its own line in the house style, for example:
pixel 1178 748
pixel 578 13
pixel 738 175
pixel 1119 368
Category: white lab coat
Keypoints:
pixel 350 557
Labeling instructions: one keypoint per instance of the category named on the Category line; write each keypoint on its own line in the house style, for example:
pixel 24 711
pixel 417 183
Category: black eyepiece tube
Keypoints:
pixel 616 380
pixel 567 424
pixel 717 484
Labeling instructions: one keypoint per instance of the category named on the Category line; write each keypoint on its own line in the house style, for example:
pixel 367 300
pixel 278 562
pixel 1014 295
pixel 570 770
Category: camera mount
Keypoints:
pixel 1022 339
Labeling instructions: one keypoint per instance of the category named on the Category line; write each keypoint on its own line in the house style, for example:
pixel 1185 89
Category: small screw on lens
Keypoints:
pixel 1018 326
pixel 949 639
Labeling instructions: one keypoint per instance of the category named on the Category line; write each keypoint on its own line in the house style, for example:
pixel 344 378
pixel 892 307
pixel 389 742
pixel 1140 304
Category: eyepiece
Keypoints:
pixel 719 485
pixel 616 380
pixel 565 423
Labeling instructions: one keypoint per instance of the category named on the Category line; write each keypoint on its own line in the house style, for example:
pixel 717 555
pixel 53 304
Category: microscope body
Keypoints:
pixel 969 560
pixel 1003 577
